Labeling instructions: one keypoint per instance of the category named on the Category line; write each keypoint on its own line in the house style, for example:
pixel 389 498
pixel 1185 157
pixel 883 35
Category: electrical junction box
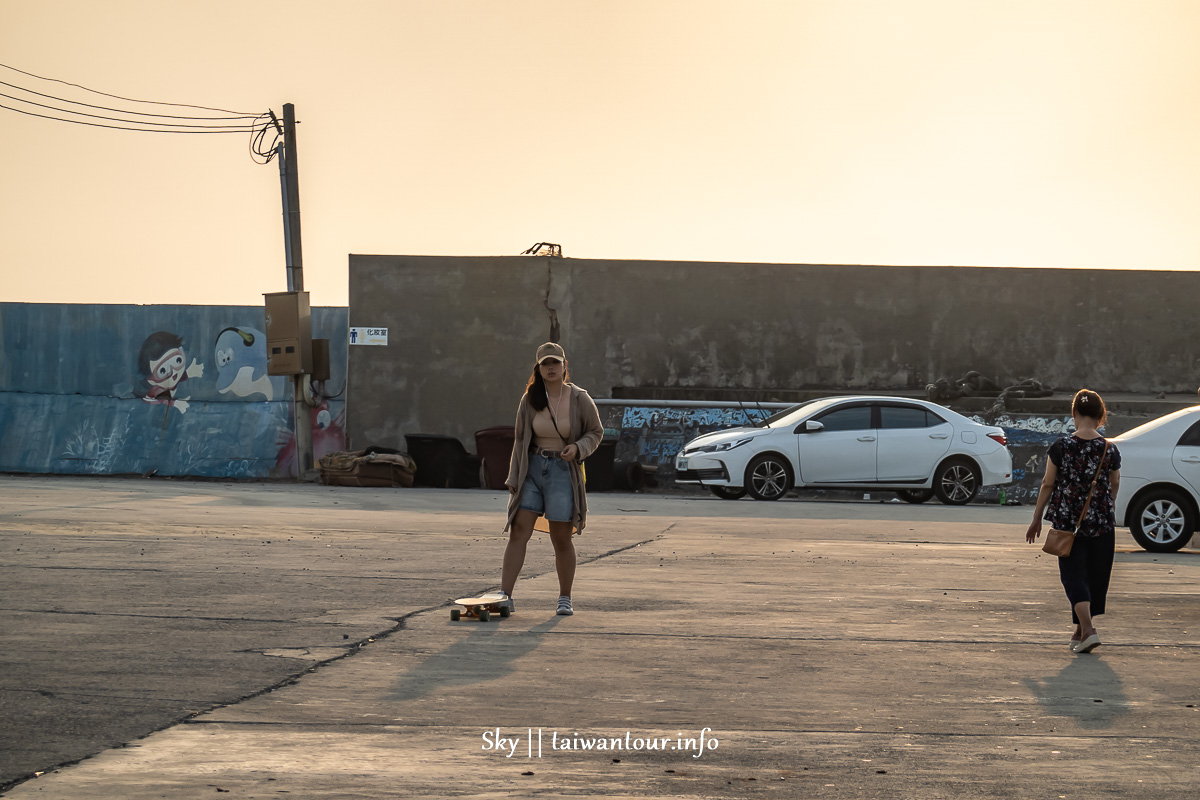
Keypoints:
pixel 289 333
pixel 320 366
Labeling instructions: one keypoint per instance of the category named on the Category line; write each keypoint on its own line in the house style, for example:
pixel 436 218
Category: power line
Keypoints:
pixel 129 99
pixel 241 127
pixel 120 128
pixel 118 110
pixel 258 127
pixel 257 150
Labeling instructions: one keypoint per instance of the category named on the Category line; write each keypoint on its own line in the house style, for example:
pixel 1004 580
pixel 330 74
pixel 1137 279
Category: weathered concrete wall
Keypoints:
pixel 77 395
pixel 461 336
pixel 463 330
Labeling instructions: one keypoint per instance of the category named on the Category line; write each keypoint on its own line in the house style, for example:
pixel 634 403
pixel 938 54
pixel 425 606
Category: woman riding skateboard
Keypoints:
pixel 557 427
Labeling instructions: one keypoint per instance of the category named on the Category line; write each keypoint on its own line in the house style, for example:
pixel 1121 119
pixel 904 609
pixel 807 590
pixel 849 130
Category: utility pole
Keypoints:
pixel 290 185
pixel 291 201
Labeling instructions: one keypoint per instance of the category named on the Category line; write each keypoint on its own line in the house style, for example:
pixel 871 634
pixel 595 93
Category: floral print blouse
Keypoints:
pixel 1077 460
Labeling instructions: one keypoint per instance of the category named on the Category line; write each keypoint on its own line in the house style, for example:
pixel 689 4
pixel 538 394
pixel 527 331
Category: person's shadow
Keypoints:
pixel 486 653
pixel 1086 690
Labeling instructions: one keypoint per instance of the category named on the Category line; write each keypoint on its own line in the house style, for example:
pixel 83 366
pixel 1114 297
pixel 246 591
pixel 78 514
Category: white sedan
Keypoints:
pixel 1159 498
pixel 912 447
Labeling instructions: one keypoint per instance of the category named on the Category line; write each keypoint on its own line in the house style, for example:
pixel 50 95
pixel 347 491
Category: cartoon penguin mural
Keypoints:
pixel 241 356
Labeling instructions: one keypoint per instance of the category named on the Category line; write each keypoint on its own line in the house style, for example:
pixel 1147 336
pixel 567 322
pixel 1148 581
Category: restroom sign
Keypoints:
pixel 368 336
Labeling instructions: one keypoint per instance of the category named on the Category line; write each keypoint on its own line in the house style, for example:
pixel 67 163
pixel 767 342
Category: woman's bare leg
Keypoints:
pixel 514 553
pixel 1084 612
pixel 564 555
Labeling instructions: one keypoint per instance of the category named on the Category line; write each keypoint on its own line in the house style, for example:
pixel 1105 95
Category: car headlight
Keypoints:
pixel 720 448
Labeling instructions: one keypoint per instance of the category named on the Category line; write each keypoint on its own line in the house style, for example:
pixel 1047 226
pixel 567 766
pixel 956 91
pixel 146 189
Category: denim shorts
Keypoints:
pixel 548 489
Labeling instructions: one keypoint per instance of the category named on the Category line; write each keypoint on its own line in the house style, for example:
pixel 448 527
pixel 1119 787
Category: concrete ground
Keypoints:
pixel 182 640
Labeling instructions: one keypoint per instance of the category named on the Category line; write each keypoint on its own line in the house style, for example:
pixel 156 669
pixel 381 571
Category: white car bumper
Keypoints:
pixel 996 467
pixel 706 469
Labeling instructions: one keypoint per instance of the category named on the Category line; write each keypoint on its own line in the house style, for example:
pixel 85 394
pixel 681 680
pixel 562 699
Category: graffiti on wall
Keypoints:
pixel 328 436
pixel 1029 437
pixel 161 367
pixel 241 358
pixel 86 444
pixel 172 413
pixel 653 436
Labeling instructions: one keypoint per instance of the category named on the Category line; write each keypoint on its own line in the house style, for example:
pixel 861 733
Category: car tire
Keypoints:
pixel 956 482
pixel 914 495
pixel 729 492
pixel 768 477
pixel 1161 521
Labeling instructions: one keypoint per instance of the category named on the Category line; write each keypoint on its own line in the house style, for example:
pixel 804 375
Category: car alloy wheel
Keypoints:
pixel 1161 522
pixel 957 483
pixel 768 478
pixel 728 492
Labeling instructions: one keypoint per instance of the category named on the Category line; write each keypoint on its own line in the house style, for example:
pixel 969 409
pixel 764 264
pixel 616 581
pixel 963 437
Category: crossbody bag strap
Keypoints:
pixel 1092 491
pixel 554 419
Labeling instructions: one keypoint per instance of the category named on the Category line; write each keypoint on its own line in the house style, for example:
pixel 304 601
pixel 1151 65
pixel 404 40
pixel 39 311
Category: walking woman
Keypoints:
pixel 557 427
pixel 1075 460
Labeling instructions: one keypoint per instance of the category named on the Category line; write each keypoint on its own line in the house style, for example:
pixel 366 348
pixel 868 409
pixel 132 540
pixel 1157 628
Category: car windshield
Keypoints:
pixel 788 415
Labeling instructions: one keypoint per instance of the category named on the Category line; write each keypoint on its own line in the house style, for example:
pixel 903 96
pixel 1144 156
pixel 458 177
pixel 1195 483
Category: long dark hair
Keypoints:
pixel 536 388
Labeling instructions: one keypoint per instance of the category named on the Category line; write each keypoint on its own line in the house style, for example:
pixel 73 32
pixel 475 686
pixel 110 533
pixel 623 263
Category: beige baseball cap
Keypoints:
pixel 550 350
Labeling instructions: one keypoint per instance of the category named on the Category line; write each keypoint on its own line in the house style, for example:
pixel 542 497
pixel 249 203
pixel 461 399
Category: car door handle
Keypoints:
pixel 939 436
pixel 1191 460
pixel 866 438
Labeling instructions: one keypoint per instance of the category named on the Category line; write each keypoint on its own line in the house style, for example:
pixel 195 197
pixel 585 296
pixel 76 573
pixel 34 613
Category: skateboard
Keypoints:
pixel 481 607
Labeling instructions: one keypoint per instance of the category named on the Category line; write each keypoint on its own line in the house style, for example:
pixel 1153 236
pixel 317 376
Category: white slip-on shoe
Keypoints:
pixel 1089 644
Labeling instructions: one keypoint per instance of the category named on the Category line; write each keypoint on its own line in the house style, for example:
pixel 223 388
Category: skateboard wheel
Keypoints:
pixel 455 614
pixel 483 615
pixel 505 611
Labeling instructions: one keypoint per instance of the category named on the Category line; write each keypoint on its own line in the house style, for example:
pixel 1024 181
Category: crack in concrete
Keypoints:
pixel 555 330
pixel 351 649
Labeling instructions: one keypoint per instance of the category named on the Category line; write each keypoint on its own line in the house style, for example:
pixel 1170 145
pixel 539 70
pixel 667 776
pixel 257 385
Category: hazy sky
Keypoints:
pixel 1040 133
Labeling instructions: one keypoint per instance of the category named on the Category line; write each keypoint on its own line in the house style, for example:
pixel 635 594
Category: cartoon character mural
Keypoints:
pixel 241 356
pixel 328 436
pixel 161 364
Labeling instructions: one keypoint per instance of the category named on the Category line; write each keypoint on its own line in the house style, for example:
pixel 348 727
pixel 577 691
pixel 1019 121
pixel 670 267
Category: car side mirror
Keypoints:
pixel 812 426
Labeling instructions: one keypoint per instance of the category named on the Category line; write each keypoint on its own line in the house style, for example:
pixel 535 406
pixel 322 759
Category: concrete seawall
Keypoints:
pixel 463 331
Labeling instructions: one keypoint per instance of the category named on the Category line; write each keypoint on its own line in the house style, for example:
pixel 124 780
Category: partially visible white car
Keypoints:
pixel 915 448
pixel 1159 498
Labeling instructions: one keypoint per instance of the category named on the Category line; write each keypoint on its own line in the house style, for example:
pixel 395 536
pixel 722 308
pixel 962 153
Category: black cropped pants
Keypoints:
pixel 1086 572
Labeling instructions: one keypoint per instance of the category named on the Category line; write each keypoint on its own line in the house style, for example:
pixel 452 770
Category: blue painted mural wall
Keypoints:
pixel 167 390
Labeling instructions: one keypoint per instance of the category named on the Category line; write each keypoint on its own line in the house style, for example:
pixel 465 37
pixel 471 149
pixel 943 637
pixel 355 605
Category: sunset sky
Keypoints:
pixel 952 132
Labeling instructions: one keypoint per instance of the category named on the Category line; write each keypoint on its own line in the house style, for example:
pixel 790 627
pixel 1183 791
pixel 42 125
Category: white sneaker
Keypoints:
pixel 564 606
pixel 507 602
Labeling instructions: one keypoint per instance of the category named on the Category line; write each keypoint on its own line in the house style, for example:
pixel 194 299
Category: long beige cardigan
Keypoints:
pixel 586 434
